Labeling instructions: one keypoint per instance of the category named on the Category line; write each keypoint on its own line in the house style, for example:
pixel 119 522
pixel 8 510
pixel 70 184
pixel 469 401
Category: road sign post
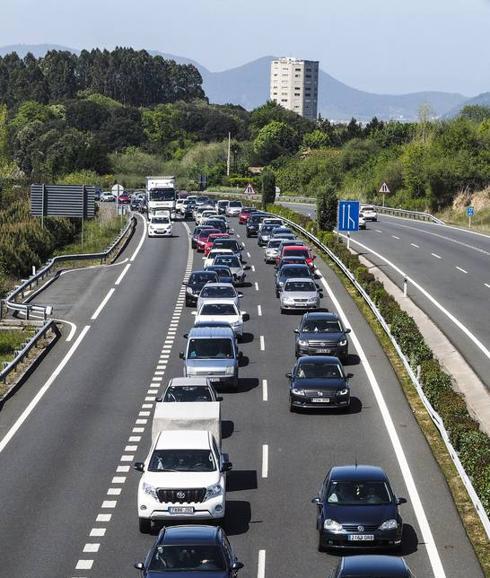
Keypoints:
pixel 385 190
pixel 470 212
pixel 348 218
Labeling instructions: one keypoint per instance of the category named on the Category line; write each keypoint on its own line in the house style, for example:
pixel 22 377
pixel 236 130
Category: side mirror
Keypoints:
pixel 242 245
pixel 350 375
pixel 139 466
pixel 401 501
pixel 347 330
pixel 317 276
pixel 159 399
pixel 181 355
pixel 139 566
pixel 246 268
pixel 219 398
pixel 240 355
pixel 240 295
pixel 245 316
pixel 194 313
pixel 296 331
pixel 185 336
pixel 314 257
pixel 316 501
pixel 237 566
pixel 184 283
pixel 289 375
pixel 226 467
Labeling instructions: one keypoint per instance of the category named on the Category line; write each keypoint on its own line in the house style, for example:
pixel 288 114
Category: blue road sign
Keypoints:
pixel 470 211
pixel 348 216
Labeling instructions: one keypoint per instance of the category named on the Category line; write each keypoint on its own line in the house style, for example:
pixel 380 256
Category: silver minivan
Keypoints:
pixel 212 351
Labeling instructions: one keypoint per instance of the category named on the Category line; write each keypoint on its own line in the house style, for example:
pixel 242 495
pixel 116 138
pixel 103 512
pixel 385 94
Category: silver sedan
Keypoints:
pixel 300 294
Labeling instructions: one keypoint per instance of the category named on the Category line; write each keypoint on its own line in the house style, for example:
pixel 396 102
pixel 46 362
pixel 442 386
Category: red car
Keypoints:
pixel 211 239
pixel 124 199
pixel 292 251
pixel 202 238
pixel 245 214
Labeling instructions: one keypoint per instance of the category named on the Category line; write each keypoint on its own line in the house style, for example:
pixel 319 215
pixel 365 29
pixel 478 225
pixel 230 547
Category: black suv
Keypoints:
pixel 322 333
pixel 366 566
pixel 196 282
pixel 189 551
pixel 253 223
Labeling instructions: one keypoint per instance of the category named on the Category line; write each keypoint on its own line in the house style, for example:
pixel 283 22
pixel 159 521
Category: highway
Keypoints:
pixel 451 265
pixel 68 438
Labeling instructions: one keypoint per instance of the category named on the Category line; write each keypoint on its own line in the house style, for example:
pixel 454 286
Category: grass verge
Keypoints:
pixel 480 222
pixel 11 340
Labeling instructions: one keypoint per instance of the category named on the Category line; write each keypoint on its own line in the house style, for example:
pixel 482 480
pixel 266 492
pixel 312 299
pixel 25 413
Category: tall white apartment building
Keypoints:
pixel 294 85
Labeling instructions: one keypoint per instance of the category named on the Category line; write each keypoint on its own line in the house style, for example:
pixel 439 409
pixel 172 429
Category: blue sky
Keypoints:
pixel 376 45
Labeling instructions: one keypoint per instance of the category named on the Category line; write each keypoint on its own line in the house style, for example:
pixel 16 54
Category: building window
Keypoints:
pixel 284 99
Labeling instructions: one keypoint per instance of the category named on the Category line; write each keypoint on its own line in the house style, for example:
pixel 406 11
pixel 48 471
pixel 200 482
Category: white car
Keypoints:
pixel 212 292
pixel 362 222
pixel 209 259
pixel 207 214
pixel 234 208
pixel 369 213
pixel 224 311
pixel 272 250
pixel 271 221
pixel 107 197
pixel 159 226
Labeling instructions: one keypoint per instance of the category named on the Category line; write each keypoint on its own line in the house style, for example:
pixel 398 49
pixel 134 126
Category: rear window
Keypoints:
pixel 235 204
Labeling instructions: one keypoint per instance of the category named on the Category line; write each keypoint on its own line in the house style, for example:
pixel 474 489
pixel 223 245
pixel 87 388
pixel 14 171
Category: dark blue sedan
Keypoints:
pixel 358 509
pixel 187 551
pixel 370 566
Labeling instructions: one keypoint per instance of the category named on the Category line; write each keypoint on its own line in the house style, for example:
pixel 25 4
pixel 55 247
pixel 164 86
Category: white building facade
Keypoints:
pixel 294 85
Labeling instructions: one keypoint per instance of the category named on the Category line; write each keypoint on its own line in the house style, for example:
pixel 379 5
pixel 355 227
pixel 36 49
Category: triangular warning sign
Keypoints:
pixel 384 188
pixel 249 190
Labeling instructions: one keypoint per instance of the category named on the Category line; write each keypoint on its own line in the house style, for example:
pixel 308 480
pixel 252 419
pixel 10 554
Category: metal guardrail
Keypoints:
pixel 45 310
pixel 406 214
pixel 436 418
pixel 24 352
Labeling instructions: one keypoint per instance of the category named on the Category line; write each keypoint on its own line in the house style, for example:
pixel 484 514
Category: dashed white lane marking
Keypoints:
pixel 395 237
pixel 89 548
pixel 109 504
pixel 265 390
pixel 399 452
pixel 118 480
pixel 103 303
pixel 253 268
pixel 32 405
pixel 256 286
pixel 97 532
pixel 123 274
pixel 142 240
pixel 262 343
pixel 462 270
pixel 436 255
pixel 259 310
pixel 103 518
pixel 261 564
pixel 248 255
pixel 84 565
pixel 265 461
pixel 378 231
pixel 114 491
pixel 414 245
pixel 487 285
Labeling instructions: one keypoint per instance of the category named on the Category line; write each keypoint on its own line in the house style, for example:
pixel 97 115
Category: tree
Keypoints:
pixel 326 207
pixel 268 188
pixel 316 140
pixel 275 139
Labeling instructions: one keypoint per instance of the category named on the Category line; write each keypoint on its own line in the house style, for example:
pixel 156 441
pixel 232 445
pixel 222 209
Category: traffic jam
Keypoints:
pixel 183 484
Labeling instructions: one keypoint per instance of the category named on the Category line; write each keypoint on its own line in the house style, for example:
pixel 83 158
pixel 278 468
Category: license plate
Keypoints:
pixel 361 538
pixel 181 510
pixel 323 350
pixel 321 400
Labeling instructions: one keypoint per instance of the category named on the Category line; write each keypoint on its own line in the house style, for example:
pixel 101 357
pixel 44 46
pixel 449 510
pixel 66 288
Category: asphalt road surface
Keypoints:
pixel 67 439
pixel 452 265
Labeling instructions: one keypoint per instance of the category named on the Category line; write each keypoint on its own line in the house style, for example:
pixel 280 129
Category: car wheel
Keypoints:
pixel 145 525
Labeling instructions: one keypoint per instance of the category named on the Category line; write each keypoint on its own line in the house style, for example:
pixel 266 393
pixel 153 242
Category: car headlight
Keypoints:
pixel 389 525
pixel 343 391
pixel 303 343
pixel 213 491
pixel 313 299
pixel 343 343
pixel 332 525
pixel 289 300
pixel 150 490
pixel 190 291
pixel 297 391
pixel 230 370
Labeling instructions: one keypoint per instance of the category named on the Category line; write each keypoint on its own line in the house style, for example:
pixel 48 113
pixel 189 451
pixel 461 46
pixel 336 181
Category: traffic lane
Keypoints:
pixel 71 443
pixel 371 446
pixel 244 423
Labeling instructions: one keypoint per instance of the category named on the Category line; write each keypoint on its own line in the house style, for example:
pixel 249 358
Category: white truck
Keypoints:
pixel 161 194
pixel 184 475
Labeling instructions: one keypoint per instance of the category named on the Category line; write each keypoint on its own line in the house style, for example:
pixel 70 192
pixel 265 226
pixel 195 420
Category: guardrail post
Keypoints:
pixel 1 308
pixel 405 286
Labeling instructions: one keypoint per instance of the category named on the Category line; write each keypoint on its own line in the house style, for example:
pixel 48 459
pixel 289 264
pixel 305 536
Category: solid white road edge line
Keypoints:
pixel 424 292
pixel 28 410
pixel 265 461
pixel 103 303
pixel 142 240
pixel 123 273
pixel 416 502
pixel 73 328
pixel 261 564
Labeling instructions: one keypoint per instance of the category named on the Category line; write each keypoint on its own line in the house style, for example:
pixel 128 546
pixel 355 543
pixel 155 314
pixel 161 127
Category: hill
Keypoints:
pixel 482 99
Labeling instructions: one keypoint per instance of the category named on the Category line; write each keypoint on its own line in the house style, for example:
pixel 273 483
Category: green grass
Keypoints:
pixel 10 340
pixel 480 222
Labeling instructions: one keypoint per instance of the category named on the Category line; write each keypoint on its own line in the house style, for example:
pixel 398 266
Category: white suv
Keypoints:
pixel 369 213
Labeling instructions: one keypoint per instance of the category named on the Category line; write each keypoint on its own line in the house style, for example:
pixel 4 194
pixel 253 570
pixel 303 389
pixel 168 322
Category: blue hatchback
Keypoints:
pixel 188 551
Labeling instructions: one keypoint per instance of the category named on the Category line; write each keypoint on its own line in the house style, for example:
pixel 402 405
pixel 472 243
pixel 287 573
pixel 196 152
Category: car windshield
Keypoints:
pixel 200 278
pixel 160 220
pixel 218 348
pixel 188 393
pixel 229 261
pixel 216 292
pixel 227 244
pixel 310 370
pixel 162 194
pixel 223 272
pixel 299 286
pixel 322 326
pixel 218 309
pixel 347 493
pixel 235 204
pixel 295 272
pixel 274 244
pixel 195 558
pixel 182 461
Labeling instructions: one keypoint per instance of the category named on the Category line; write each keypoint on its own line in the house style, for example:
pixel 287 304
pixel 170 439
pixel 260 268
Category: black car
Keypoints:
pixel 195 234
pixel 224 273
pixel 187 551
pixel 217 224
pixel 318 382
pixel 322 333
pixel 372 565
pixel 253 223
pixel 291 272
pixel 231 244
pixel 279 231
pixel 196 282
pixel 358 509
